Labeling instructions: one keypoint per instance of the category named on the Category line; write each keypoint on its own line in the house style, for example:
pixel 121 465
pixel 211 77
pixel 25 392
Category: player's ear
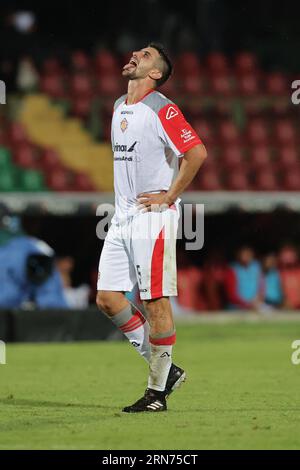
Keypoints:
pixel 155 74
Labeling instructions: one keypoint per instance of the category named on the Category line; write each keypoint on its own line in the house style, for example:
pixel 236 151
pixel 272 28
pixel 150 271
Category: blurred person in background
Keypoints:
pixel 273 295
pixel 28 276
pixel 289 268
pixel 76 297
pixel 27 76
pixel 244 281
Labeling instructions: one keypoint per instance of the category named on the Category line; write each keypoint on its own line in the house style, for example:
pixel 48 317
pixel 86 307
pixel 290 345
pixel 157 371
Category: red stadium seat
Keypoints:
pixel 248 85
pixel 204 130
pixel 51 66
pixel 229 133
pixel 265 180
pixel 209 181
pixel 192 85
pixel 187 64
pixel 108 85
pixel 210 164
pixel 106 62
pixel 260 156
pixel 232 156
pixel 25 156
pixel 291 180
pixel 169 88
pixel 59 179
pixel 222 85
pixel 81 85
pixel 213 152
pixel 288 156
pixel 217 63
pixel 81 106
pixel 245 63
pixel 17 133
pixel 53 86
pixel 50 160
pixel 82 182
pixel 257 132
pixel 285 132
pixel 277 84
pixel 237 180
pixel 80 62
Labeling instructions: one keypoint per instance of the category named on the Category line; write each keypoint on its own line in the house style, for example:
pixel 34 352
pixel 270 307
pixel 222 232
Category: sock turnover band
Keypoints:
pixel 163 339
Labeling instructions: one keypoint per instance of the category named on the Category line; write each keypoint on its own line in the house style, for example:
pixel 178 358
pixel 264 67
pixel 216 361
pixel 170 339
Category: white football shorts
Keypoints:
pixel 142 250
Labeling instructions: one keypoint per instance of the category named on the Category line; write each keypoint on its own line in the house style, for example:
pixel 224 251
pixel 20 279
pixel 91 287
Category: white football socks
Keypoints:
pixel 160 363
pixel 136 329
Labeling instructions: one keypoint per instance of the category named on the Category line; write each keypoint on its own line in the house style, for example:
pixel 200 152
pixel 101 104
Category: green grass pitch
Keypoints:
pixel 242 392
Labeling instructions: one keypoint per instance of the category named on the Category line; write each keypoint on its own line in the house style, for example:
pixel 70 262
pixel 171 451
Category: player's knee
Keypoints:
pixel 155 306
pixel 104 301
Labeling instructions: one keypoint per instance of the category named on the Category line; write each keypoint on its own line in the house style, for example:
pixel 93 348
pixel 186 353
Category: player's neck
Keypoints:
pixel 137 90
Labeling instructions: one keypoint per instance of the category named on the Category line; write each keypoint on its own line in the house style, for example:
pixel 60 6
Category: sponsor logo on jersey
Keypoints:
pixel 123 159
pixel 126 112
pixel 186 135
pixel 124 148
pixel 124 124
pixel 171 112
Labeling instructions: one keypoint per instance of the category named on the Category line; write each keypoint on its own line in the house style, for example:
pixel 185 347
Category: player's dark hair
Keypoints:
pixel 167 64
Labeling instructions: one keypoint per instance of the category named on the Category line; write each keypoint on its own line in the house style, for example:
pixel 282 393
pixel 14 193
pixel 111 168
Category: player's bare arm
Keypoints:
pixel 191 163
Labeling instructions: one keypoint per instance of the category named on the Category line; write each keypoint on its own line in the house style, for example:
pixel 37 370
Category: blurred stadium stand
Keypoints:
pixel 56 137
pixel 55 152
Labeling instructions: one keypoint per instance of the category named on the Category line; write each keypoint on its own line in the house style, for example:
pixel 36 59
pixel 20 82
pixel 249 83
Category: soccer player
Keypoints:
pixel 149 133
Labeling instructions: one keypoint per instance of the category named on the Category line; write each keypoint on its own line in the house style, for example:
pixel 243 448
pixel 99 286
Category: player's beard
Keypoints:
pixel 129 71
pixel 130 74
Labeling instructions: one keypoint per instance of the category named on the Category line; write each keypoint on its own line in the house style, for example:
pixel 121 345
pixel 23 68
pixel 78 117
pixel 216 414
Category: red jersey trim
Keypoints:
pixel 157 262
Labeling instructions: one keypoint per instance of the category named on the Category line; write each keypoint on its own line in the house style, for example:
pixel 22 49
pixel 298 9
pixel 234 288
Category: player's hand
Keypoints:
pixel 153 202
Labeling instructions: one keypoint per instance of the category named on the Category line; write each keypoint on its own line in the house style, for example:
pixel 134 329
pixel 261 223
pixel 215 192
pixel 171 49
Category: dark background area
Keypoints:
pixel 271 29
pixel 76 236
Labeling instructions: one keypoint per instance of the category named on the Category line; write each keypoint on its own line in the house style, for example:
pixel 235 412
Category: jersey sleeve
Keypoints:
pixel 175 131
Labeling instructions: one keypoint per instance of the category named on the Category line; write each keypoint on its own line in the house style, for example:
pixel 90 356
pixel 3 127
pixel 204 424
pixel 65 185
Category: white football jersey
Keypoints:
pixel 147 139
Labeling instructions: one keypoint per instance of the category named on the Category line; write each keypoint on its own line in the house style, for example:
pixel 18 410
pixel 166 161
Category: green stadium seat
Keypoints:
pixel 32 180
pixel 8 181
pixel 5 158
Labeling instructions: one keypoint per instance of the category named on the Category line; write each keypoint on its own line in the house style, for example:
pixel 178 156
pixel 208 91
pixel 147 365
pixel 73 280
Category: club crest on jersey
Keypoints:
pixel 172 112
pixel 124 125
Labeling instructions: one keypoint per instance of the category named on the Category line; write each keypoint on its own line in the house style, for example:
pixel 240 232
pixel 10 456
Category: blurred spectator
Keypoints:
pixel 27 76
pixel 27 273
pixel 77 297
pixel 289 268
pixel 273 295
pixel 243 281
